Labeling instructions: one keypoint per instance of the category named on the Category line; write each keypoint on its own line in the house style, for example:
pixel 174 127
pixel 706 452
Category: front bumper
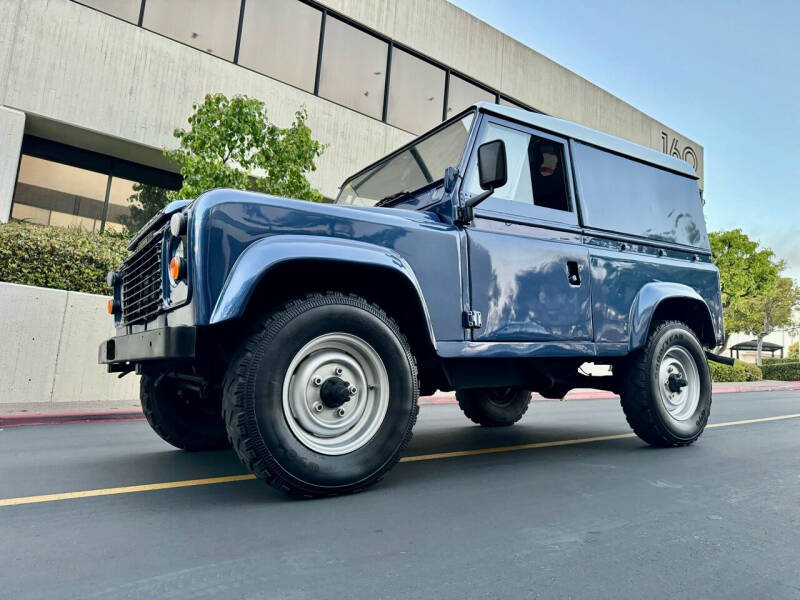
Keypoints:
pixel 156 344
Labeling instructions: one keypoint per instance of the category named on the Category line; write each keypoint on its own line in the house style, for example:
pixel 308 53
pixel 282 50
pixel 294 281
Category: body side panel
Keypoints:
pixel 225 223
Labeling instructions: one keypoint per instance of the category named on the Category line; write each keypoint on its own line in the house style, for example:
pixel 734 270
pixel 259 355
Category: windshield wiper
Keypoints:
pixel 392 198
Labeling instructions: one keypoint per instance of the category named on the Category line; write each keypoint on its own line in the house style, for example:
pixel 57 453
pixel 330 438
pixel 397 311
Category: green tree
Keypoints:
pixel 231 143
pixel 145 202
pixel 773 308
pixel 746 272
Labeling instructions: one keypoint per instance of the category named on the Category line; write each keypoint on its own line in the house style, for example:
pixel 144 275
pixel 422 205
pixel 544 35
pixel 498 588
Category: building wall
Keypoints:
pixel 93 81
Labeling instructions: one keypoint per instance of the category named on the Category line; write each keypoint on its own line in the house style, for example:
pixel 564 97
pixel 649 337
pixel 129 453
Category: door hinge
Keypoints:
pixel 472 319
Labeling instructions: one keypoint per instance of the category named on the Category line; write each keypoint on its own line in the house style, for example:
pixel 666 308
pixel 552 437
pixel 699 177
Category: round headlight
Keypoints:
pixel 177 224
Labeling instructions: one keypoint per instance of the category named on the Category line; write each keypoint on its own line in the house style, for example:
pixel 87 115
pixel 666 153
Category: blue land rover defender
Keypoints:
pixel 492 256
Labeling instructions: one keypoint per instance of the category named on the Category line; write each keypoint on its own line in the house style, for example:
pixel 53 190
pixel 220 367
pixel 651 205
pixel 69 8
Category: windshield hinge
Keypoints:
pixel 472 319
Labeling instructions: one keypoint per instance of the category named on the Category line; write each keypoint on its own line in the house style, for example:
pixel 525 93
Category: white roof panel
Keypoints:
pixel 590 136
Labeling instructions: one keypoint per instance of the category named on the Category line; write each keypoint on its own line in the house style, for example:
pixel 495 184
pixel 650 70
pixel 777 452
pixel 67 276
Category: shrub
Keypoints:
pixel 777 361
pixel 752 372
pixel 54 257
pixel 740 371
pixel 782 372
pixel 793 350
pixel 724 373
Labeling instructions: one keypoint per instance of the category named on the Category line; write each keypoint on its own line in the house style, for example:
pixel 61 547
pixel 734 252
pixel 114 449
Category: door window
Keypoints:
pixel 537 173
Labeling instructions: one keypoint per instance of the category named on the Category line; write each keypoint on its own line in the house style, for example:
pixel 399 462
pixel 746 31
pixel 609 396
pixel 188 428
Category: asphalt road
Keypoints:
pixel 606 519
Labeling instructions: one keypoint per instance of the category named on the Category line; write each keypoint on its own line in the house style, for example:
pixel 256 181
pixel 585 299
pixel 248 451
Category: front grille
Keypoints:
pixel 141 281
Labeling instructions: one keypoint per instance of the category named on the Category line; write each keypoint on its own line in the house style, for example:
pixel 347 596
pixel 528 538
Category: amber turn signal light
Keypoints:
pixel 176 268
pixel 112 307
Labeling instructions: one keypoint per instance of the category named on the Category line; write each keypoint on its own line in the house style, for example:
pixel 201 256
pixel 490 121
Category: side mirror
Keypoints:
pixel 492 174
pixel 492 165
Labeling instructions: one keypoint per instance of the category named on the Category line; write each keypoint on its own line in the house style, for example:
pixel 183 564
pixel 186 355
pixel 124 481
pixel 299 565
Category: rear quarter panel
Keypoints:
pixel 618 277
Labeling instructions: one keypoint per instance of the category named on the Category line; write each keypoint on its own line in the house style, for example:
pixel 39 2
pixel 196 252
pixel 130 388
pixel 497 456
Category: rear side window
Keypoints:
pixel 622 195
pixel 536 169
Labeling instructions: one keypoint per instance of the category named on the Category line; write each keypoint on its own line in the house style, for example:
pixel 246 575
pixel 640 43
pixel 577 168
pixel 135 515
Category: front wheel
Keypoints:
pixel 494 407
pixel 180 416
pixel 321 400
pixel 666 388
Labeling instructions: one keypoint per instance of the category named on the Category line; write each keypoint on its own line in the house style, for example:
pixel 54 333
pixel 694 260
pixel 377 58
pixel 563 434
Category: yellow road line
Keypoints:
pixel 761 420
pixel 440 455
pixel 131 489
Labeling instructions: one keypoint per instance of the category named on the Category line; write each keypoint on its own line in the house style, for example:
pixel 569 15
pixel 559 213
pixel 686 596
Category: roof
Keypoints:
pixel 591 136
pixel 751 345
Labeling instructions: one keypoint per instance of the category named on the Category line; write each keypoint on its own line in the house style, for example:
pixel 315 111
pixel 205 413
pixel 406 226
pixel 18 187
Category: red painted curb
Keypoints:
pixel 20 420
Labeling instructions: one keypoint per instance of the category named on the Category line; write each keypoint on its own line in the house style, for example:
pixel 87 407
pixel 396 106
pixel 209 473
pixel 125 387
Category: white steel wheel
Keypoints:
pixel 679 383
pixel 335 394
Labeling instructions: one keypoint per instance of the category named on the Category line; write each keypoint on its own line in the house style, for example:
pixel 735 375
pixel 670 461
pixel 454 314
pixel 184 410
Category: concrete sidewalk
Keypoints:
pixel 15 415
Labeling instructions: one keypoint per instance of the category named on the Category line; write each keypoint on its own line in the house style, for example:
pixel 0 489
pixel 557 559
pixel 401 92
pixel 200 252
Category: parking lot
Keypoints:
pixel 565 504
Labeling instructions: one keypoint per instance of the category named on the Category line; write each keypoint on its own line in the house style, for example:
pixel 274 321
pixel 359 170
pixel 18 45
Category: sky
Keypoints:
pixel 725 74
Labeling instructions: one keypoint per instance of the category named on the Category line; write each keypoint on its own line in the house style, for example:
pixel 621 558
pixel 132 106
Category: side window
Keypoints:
pixel 536 169
pixel 548 170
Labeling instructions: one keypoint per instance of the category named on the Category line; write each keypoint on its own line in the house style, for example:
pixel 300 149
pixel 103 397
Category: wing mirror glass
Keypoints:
pixel 492 174
pixel 492 165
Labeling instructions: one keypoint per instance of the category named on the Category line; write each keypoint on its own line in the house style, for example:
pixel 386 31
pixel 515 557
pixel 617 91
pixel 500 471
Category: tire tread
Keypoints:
pixel 240 422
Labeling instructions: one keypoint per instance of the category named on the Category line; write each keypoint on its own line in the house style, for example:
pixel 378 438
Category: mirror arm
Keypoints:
pixel 466 212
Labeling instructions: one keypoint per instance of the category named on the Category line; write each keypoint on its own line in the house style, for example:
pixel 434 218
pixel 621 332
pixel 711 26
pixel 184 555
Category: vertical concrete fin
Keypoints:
pixel 12 128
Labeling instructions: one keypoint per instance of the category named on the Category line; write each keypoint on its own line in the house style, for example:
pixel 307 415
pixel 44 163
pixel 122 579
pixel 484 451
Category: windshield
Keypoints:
pixel 418 165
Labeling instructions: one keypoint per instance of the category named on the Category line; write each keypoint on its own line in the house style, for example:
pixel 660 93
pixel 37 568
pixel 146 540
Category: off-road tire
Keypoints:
pixel 639 393
pixel 182 418
pixel 494 407
pixel 253 406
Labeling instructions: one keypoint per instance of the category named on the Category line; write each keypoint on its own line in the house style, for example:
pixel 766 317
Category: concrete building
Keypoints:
pixel 91 91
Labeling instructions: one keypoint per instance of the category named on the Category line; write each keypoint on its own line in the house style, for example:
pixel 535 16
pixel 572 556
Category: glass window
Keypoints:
pixel 462 93
pixel 416 93
pixel 420 164
pixel 353 68
pixel 280 38
pixel 536 169
pixel 124 9
pixel 50 193
pixel 132 204
pixel 209 25
pixel 627 196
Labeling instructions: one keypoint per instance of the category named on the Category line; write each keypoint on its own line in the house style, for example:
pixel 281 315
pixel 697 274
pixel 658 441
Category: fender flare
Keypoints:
pixel 265 254
pixel 650 296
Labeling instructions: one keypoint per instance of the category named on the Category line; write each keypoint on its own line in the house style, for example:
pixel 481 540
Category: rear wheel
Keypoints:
pixel 321 400
pixel 666 389
pixel 180 416
pixel 494 407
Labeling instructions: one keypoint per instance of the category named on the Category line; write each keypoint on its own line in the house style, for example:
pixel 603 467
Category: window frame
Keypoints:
pixel 326 12
pixel 511 210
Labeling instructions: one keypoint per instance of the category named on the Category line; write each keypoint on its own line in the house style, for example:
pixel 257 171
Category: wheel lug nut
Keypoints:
pixel 317 380
pixel 338 370
pixel 353 390
pixel 340 412
pixel 318 407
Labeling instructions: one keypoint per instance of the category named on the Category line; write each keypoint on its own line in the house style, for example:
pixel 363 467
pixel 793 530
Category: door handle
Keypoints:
pixel 573 273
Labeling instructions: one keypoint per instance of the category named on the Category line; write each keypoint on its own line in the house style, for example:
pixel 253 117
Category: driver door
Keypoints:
pixel 528 268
